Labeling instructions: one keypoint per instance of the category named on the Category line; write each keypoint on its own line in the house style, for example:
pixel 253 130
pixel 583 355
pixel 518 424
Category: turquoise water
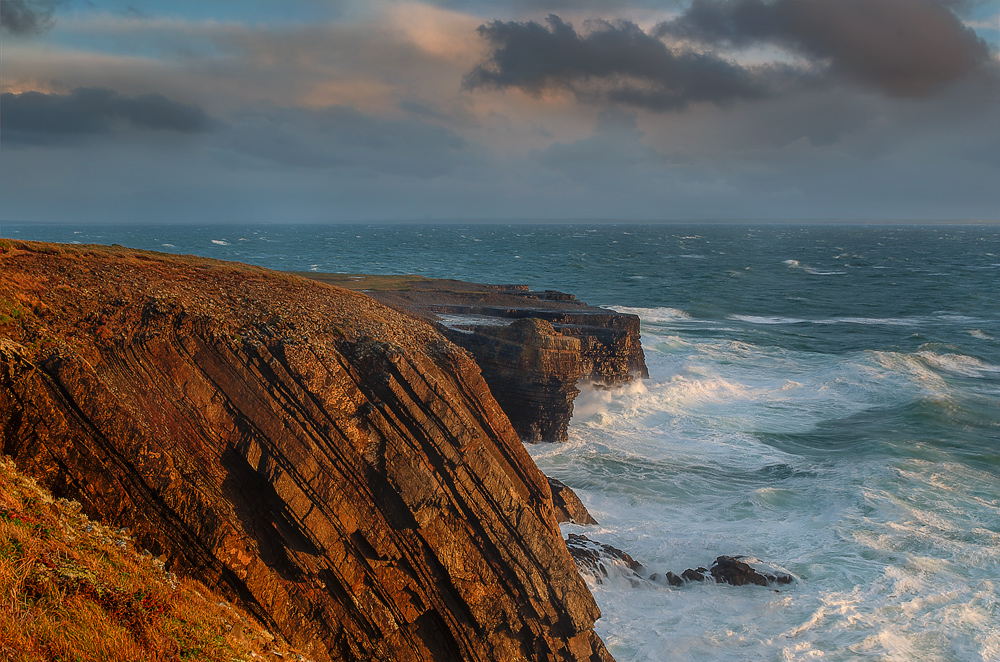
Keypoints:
pixel 825 399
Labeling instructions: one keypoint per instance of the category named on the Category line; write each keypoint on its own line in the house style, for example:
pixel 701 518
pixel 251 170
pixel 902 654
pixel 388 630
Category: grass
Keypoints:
pixel 364 281
pixel 10 312
pixel 73 590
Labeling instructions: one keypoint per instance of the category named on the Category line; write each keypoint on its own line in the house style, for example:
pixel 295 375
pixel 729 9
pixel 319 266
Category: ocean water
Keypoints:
pixel 822 399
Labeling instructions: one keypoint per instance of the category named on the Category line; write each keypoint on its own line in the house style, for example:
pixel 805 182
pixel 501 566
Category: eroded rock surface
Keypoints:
pixel 337 467
pixel 533 347
pixel 567 504
pixel 532 370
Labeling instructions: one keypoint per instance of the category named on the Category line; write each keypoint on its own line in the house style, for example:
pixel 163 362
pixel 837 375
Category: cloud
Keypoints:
pixel 901 47
pixel 34 117
pixel 614 151
pixel 344 137
pixel 615 62
pixel 27 17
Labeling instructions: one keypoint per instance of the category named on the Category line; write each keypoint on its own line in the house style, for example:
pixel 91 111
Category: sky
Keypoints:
pixel 371 110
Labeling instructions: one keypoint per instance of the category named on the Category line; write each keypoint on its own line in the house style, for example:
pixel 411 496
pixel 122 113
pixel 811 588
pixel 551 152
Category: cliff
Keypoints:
pixel 336 467
pixel 533 347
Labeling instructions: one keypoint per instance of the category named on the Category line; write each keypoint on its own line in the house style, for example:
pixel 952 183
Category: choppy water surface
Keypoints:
pixel 825 399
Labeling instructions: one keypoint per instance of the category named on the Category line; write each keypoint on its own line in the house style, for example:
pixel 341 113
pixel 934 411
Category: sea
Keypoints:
pixel 823 399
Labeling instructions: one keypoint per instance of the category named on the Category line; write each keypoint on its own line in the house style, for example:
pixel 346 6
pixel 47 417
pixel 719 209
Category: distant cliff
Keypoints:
pixel 533 347
pixel 337 467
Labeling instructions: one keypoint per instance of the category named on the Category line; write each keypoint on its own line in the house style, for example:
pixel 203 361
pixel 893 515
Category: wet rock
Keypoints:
pixel 730 570
pixel 601 561
pixel 567 504
pixel 697 575
pixel 668 578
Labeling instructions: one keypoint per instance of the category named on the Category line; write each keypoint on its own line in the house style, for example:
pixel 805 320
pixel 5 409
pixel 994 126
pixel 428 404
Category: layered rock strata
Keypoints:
pixel 532 370
pixel 338 468
pixel 567 504
pixel 533 347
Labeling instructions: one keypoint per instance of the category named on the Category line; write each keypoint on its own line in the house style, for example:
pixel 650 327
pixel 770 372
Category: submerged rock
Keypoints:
pixel 697 575
pixel 601 561
pixel 669 577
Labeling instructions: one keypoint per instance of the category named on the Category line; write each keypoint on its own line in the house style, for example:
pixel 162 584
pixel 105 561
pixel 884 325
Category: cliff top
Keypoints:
pixel 78 291
pixel 413 293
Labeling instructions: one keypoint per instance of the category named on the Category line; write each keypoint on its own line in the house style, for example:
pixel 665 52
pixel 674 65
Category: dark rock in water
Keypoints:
pixel 599 560
pixel 694 575
pixel 670 578
pixel 596 559
pixel 567 504
pixel 730 570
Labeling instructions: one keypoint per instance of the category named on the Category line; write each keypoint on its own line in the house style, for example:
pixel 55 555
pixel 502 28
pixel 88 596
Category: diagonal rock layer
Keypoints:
pixel 336 466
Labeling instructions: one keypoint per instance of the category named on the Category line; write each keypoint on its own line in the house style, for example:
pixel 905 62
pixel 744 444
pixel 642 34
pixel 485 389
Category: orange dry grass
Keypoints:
pixel 73 590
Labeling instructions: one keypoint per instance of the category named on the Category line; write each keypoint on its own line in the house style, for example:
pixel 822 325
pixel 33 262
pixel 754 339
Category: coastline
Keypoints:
pixel 303 448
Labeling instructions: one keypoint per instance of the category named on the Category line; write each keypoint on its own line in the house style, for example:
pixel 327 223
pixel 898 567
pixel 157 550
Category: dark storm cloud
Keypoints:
pixel 902 47
pixel 34 117
pixel 27 17
pixel 614 62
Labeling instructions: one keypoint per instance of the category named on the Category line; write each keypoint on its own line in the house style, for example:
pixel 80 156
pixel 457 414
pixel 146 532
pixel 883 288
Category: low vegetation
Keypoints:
pixel 365 281
pixel 73 590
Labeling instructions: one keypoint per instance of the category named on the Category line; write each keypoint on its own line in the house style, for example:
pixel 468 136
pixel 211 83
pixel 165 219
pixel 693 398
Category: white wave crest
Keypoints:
pixel 220 242
pixel 757 319
pixel 958 364
pixel 795 264
pixel 875 321
pixel 662 314
pixel 867 321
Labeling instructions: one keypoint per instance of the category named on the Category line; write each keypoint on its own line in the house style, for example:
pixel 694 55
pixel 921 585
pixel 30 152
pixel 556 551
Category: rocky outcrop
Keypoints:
pixel 533 347
pixel 599 562
pixel 730 570
pixel 567 504
pixel 532 370
pixel 338 468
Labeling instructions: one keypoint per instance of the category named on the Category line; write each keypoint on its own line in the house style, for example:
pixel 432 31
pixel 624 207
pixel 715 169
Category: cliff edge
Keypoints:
pixel 338 468
pixel 533 347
